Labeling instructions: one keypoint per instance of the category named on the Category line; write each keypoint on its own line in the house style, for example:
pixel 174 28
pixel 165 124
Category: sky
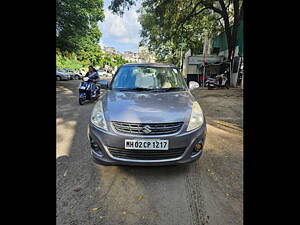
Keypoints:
pixel 123 33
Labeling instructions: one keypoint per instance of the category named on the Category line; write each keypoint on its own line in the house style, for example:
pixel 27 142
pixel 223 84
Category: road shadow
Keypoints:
pixel 76 176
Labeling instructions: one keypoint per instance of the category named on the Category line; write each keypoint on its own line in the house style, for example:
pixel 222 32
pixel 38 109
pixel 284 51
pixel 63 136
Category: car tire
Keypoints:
pixel 58 78
pixel 77 77
pixel 80 101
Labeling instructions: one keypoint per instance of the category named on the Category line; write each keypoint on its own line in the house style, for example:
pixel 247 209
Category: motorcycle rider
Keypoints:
pixel 93 76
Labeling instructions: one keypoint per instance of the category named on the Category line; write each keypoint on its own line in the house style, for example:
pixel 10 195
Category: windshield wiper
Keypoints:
pixel 150 89
pixel 169 89
pixel 175 88
pixel 136 89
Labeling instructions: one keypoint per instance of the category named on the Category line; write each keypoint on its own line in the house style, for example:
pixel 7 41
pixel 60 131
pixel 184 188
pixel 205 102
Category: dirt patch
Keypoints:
pixel 220 171
pixel 221 105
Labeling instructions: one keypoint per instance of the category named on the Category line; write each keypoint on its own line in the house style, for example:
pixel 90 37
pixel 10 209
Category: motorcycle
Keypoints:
pixel 220 81
pixel 86 93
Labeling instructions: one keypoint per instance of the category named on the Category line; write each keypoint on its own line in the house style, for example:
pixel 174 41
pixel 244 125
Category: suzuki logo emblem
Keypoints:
pixel 146 129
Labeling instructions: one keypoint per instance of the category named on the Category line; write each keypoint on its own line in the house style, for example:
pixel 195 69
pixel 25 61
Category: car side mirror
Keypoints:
pixel 193 85
pixel 103 84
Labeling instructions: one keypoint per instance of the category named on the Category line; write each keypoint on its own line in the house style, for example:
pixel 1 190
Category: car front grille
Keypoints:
pixel 144 128
pixel 146 154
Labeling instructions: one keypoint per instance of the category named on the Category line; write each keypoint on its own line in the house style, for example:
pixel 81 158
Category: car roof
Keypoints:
pixel 151 65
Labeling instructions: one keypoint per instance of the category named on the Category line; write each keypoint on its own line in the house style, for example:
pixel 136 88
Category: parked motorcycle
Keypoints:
pixel 85 91
pixel 220 81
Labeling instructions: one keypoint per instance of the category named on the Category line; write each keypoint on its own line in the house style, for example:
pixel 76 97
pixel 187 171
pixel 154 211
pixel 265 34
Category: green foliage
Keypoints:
pixel 77 35
pixel 68 61
pixel 76 21
pixel 165 35
pixel 77 31
pixel 72 61
pixel 168 23
pixel 112 60
pixel 168 28
pixel 119 6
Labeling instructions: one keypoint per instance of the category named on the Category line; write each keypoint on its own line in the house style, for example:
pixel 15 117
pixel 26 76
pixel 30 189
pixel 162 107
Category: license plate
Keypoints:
pixel 147 144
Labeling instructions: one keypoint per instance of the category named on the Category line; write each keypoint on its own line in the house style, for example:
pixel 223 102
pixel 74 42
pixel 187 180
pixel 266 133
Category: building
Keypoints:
pixel 220 47
pixel 144 55
pixel 141 56
pixel 110 50
pixel 130 56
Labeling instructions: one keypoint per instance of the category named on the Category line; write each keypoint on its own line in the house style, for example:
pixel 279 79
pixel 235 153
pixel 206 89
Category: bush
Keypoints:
pixel 69 62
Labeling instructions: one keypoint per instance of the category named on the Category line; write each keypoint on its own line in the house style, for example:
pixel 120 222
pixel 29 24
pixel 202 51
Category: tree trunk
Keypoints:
pixel 233 46
pixel 237 18
pixel 231 35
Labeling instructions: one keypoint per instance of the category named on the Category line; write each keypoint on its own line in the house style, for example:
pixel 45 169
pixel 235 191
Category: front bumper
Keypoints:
pixel 105 139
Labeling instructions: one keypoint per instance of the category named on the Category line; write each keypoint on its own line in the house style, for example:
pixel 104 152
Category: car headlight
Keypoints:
pixel 97 117
pixel 197 118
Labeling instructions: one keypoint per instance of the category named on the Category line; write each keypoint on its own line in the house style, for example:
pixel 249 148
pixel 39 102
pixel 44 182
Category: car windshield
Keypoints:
pixel 139 78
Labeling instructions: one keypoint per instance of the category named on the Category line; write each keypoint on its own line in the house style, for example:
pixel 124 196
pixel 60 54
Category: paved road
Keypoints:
pixel 206 192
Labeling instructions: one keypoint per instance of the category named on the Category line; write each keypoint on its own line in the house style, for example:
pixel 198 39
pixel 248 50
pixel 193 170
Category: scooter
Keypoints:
pixel 220 81
pixel 85 91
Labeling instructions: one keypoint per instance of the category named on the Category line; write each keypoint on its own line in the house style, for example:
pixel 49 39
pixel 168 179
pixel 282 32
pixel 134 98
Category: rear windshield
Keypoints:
pixel 133 77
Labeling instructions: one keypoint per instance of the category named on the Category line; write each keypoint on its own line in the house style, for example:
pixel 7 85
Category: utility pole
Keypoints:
pixel 181 56
pixel 203 80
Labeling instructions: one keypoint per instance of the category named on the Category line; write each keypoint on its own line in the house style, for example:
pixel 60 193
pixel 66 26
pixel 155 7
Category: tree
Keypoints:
pixel 222 8
pixel 76 29
pixel 74 19
pixel 164 32
pixel 184 13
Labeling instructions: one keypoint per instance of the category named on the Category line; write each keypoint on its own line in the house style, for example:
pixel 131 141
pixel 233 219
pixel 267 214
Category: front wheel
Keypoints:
pixel 58 78
pixel 81 101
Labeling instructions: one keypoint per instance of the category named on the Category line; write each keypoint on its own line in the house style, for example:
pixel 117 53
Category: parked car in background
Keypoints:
pixel 61 74
pixel 68 72
pixel 109 75
pixel 71 73
pixel 102 73
pixel 78 76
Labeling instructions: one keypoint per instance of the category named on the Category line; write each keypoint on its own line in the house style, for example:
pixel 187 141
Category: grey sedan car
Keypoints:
pixel 61 74
pixel 147 116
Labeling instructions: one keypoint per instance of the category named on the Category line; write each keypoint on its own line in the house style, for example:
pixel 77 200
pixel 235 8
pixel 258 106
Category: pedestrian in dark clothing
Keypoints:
pixel 93 76
pixel 91 71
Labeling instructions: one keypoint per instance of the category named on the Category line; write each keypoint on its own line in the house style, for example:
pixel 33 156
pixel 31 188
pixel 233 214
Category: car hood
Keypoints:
pixel 147 107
